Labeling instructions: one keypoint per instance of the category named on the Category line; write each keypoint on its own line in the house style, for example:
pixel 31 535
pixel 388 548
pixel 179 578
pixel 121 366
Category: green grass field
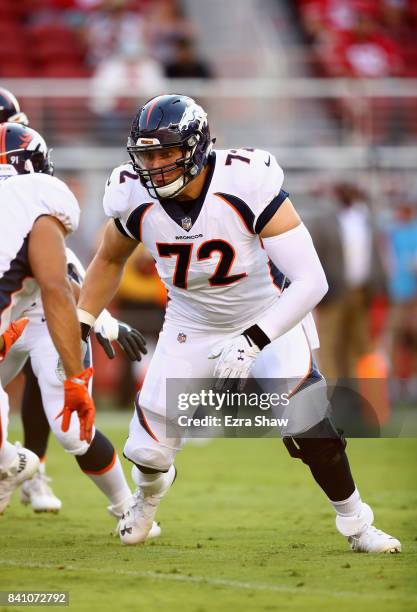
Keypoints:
pixel 244 528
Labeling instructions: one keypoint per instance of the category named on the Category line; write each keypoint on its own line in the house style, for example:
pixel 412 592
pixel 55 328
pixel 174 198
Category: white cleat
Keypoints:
pixel 23 466
pixel 39 494
pixel 373 540
pixel 363 536
pixel 137 523
pixel 155 531
pixel 118 510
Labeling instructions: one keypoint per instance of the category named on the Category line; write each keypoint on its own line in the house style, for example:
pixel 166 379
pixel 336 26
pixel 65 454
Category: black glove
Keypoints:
pixel 131 341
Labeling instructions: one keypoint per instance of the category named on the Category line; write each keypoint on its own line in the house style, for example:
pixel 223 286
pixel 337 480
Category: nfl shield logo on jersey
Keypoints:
pixel 181 338
pixel 186 223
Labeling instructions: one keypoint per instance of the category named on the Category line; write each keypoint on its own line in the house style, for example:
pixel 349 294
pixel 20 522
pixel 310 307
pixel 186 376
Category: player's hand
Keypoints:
pixel 235 359
pixel 12 334
pixel 77 399
pixel 131 341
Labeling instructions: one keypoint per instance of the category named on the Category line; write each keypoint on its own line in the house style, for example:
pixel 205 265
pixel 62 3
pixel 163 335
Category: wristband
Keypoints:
pixel 85 317
pixel 107 326
pixel 258 336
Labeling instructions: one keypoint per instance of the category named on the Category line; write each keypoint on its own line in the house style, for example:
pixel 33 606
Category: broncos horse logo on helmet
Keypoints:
pixel 10 108
pixel 164 122
pixel 22 151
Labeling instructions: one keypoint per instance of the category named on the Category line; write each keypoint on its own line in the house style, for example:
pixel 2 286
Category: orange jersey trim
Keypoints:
pixel 304 378
pixel 147 209
pixel 145 425
pixel 250 230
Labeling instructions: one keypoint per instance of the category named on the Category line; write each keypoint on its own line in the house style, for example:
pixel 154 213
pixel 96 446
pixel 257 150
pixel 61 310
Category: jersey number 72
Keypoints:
pixel 183 253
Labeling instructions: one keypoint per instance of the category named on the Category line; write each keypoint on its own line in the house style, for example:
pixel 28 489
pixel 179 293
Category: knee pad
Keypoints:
pixel 320 445
pixel 156 457
pixel 71 442
pixel 100 455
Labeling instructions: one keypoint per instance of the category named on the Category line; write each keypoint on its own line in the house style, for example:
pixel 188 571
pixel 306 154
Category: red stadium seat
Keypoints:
pixel 8 12
pixel 15 53
pixel 10 28
pixel 16 68
pixel 58 33
pixel 52 52
pixel 409 54
pixel 64 70
pixel 12 44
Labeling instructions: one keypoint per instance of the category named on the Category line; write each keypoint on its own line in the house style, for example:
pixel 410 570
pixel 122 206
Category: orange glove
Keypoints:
pixel 12 334
pixel 77 399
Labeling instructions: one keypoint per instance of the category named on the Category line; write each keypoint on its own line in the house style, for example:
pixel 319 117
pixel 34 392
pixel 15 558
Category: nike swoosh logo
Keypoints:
pixel 268 163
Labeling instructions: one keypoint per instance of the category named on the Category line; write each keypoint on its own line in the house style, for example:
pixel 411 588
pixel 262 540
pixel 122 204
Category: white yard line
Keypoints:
pixel 232 584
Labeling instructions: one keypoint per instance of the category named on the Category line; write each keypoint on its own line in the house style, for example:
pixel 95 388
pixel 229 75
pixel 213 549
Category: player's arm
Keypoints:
pixel 104 273
pixel 48 262
pixel 47 259
pixel 107 328
pixel 289 246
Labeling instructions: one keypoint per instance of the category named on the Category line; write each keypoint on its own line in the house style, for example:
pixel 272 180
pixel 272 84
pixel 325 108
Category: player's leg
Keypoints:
pixel 37 492
pixel 153 440
pixel 98 460
pixel 35 424
pixel 17 464
pixel 311 436
pixel 153 472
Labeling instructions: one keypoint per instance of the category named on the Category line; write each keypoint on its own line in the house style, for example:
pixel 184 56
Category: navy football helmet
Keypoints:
pixel 10 108
pixel 22 150
pixel 166 121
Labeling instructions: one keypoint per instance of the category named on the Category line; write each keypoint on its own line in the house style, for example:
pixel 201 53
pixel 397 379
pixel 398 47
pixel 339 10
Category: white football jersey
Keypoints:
pixel 24 198
pixel 208 253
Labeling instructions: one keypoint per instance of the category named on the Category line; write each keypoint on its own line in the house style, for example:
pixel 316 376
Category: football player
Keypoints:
pixel 35 425
pixel 96 456
pixel 37 212
pixel 10 108
pixel 26 355
pixel 219 225
pixel 37 491
pixel 98 459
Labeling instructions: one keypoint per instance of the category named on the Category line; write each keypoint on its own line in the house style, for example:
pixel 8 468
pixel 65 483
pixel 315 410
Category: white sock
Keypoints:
pixel 350 506
pixel 113 483
pixel 8 453
pixel 152 484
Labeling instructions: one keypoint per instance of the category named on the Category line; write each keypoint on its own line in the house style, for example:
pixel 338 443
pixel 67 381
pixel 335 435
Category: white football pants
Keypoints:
pixel 182 354
pixel 36 344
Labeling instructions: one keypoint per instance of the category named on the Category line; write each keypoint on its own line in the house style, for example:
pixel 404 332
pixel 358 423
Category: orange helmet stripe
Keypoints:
pixel 150 109
pixel 3 156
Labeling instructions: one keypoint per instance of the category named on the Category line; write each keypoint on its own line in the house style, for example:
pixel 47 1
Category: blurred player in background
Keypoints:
pixel 219 225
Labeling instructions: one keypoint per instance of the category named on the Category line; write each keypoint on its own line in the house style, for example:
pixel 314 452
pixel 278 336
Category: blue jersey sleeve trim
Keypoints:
pixel 120 227
pixel 270 211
